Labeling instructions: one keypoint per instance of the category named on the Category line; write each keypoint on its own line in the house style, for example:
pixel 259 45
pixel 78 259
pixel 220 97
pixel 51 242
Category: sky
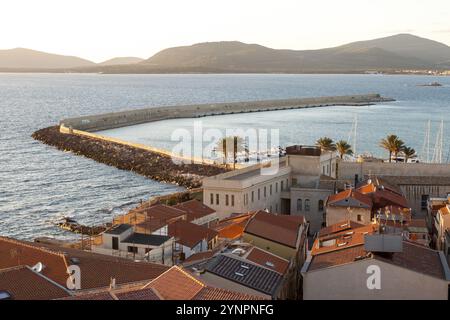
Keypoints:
pixel 101 29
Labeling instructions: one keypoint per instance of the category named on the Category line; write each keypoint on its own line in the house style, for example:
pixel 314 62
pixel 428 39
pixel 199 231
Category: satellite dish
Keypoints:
pixel 38 267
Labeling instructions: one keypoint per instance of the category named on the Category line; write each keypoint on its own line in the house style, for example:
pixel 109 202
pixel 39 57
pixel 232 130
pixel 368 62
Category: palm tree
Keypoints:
pixel 343 148
pixel 229 145
pixel 392 144
pixel 326 144
pixel 408 153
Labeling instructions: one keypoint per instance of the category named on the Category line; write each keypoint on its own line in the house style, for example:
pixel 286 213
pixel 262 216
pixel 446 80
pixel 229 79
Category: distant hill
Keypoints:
pixel 401 51
pixel 120 61
pixel 31 59
pixel 398 52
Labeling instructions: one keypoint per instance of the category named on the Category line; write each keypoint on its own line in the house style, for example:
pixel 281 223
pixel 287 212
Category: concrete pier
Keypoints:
pixel 132 117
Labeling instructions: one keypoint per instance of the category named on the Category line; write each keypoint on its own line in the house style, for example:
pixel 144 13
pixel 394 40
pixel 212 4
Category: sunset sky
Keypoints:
pixel 102 29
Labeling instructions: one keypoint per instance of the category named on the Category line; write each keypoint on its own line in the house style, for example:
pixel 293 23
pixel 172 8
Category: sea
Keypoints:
pixel 40 185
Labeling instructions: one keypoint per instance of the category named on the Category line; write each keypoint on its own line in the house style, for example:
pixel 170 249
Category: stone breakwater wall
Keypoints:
pixel 154 165
pixel 133 117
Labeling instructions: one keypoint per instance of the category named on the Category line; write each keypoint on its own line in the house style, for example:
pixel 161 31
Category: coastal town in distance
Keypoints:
pixel 225 172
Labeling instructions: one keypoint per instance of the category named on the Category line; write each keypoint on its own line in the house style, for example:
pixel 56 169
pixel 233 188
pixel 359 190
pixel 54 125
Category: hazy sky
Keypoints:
pixel 102 29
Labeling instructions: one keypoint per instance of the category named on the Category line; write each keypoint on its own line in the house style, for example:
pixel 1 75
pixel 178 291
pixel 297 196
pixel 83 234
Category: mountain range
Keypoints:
pixel 401 51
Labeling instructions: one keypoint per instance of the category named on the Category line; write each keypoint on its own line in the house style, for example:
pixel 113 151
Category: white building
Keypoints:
pixel 297 184
pixel 122 241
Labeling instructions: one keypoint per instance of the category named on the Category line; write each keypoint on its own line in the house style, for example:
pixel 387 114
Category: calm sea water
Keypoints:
pixel 39 184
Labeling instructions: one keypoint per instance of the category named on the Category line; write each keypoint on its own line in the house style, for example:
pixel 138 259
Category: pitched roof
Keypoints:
pixel 233 227
pixel 158 216
pixel 245 273
pixel 199 256
pixel 383 198
pixel 268 260
pixel 194 209
pixel 22 283
pixel 210 293
pixel 137 294
pixel 344 239
pixel 413 257
pixel 97 269
pixel 338 227
pixel 283 229
pixel 176 284
pixel 189 234
pixel 343 198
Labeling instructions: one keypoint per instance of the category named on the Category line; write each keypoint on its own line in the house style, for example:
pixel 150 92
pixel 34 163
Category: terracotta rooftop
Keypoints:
pixel 158 216
pixel 414 257
pixel 283 229
pixel 342 198
pixel 338 227
pixel 176 284
pixel 194 209
pixel 376 183
pixel 233 227
pixel 268 260
pixel 245 273
pixel 210 293
pixel 21 283
pixel 97 269
pixel 199 256
pixel 189 234
pixel 341 240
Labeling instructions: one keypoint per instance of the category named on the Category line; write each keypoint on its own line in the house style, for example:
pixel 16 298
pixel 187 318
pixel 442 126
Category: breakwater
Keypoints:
pixel 78 136
pixel 127 118
pixel 156 166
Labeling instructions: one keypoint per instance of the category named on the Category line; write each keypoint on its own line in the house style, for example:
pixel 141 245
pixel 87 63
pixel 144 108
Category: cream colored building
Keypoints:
pixel 353 274
pixel 292 185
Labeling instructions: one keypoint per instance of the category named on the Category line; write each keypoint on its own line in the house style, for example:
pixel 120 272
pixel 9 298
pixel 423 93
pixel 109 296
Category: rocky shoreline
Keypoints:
pixel 149 164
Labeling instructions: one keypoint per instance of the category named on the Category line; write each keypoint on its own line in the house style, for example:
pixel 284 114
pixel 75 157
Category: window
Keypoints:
pixel 147 250
pixel 217 199
pixel 276 187
pixel 211 198
pixel 115 243
pixel 227 200
pixel 294 181
pixel 299 204
pixel 282 186
pixel 323 169
pixel 232 200
pixel 270 190
pixel 320 205
pixel 132 249
pixel 287 183
pixel 359 217
pixel 424 202
pixel 253 196
pixel 328 169
pixel 265 192
pixel 259 194
pixel 307 205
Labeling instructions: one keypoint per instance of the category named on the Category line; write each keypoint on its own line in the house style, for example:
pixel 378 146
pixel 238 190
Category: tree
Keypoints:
pixel 392 144
pixel 343 148
pixel 326 144
pixel 230 145
pixel 408 153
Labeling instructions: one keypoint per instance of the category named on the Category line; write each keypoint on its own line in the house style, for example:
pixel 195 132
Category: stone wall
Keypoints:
pixel 132 117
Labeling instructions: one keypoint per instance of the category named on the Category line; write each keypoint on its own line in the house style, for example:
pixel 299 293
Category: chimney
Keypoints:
pixel 112 284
